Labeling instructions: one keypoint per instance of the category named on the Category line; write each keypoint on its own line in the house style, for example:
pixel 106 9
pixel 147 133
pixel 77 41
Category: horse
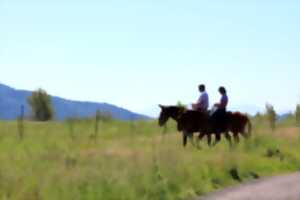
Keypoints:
pixel 167 112
pixel 173 112
pixel 237 123
pixel 186 123
pixel 195 121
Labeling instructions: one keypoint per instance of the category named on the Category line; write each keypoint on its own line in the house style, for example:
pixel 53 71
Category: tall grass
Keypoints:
pixel 57 160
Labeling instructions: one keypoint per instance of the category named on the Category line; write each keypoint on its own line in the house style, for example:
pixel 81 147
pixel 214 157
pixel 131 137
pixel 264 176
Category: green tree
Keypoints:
pixel 104 116
pixel 298 114
pixel 180 104
pixel 41 105
pixel 271 115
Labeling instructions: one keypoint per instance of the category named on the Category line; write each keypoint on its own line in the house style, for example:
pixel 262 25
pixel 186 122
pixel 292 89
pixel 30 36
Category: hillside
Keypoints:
pixel 12 99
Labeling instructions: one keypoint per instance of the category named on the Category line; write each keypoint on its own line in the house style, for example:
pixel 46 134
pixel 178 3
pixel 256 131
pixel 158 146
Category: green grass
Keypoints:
pixel 133 160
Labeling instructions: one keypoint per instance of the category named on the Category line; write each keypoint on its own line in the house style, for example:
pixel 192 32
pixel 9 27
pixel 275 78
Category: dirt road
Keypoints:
pixel 285 187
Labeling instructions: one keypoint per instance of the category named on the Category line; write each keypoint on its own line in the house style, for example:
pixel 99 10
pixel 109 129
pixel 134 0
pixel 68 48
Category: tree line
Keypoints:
pixel 272 116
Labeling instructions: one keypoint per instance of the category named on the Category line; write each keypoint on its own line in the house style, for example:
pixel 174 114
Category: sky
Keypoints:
pixel 137 54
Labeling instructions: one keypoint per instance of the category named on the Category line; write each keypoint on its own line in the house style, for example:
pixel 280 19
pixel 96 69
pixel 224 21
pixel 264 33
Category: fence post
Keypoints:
pixel 21 124
pixel 70 122
pixel 97 119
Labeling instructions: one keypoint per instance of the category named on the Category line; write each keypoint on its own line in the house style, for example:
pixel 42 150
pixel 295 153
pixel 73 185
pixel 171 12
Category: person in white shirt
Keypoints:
pixel 203 101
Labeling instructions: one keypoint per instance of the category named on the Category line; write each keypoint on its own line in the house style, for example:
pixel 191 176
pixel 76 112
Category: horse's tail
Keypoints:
pixel 249 127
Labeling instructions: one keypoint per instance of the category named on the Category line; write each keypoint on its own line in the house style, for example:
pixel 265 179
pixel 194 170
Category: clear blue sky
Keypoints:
pixel 137 54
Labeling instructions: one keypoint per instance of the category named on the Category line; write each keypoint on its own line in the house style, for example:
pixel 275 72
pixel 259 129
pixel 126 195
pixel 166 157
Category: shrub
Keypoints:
pixel 41 105
pixel 271 115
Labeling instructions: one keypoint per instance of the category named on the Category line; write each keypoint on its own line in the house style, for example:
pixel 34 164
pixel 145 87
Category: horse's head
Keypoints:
pixel 164 115
pixel 168 112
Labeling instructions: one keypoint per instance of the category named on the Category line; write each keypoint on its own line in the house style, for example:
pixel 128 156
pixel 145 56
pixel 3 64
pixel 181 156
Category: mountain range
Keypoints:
pixel 12 99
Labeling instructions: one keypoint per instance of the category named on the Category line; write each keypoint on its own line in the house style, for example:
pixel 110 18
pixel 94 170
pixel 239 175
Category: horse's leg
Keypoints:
pixel 184 134
pixel 198 141
pixel 197 144
pixel 201 136
pixel 244 134
pixel 191 137
pixel 236 137
pixel 218 138
pixel 209 139
pixel 228 137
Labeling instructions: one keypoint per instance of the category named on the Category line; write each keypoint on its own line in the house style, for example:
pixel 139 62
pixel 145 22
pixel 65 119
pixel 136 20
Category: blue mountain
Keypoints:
pixel 12 99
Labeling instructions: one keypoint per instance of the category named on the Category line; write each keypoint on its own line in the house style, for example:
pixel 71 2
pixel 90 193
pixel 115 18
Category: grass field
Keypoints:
pixel 133 160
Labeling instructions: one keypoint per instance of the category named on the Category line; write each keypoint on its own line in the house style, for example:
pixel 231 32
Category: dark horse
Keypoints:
pixel 237 123
pixel 191 121
pixel 194 121
pixel 173 112
pixel 188 122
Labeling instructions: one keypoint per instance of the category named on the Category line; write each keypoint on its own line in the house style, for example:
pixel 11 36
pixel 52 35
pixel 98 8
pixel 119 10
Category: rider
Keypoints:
pixel 224 100
pixel 219 116
pixel 203 101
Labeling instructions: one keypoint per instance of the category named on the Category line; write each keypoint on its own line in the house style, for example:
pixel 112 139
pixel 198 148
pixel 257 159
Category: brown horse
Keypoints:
pixel 167 112
pixel 195 121
pixel 189 122
pixel 173 112
pixel 237 123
